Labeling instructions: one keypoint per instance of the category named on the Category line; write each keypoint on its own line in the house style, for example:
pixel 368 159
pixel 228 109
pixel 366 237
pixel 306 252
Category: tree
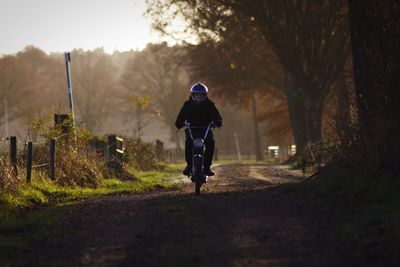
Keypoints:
pixel 94 87
pixel 17 87
pixel 309 39
pixel 49 73
pixel 375 34
pixel 275 115
pixel 140 105
pixel 159 72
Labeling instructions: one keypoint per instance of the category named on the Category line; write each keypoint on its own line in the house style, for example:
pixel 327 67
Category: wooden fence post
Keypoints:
pixel 13 155
pixel 52 158
pixel 112 146
pixel 29 163
pixel 106 152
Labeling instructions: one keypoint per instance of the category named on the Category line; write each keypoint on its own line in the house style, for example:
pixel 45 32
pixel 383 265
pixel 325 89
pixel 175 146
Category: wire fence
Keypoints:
pixel 19 155
pixel 23 156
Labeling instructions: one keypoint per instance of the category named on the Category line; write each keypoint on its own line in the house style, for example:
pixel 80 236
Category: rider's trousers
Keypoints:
pixel 209 142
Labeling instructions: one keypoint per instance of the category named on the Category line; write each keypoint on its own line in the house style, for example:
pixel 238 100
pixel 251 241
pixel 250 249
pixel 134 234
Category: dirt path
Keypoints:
pixel 241 219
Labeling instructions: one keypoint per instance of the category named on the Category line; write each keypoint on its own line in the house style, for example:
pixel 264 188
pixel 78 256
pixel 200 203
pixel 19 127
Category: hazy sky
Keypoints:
pixel 61 25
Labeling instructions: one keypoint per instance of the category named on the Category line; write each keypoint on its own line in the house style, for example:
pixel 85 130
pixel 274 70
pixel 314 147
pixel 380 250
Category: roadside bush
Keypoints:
pixel 317 155
pixel 142 155
pixel 76 163
pixel 76 167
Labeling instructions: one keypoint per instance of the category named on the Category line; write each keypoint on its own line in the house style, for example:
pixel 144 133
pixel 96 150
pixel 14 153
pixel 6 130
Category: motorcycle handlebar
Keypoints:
pixel 187 126
pixel 211 125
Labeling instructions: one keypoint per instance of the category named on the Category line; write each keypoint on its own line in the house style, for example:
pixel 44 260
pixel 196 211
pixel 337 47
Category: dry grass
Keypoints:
pixel 8 181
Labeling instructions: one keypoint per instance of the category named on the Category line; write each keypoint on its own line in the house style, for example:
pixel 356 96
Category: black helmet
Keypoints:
pixel 198 92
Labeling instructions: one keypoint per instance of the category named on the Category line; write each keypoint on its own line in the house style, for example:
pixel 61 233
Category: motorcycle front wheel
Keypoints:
pixel 198 175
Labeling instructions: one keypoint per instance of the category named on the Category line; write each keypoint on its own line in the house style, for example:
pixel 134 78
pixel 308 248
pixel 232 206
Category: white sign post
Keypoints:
pixel 67 56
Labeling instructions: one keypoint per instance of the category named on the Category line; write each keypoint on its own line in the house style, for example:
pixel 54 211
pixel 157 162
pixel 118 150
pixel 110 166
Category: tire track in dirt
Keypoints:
pixel 242 177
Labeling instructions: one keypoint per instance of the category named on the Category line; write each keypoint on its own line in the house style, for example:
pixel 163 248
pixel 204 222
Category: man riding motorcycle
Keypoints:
pixel 199 111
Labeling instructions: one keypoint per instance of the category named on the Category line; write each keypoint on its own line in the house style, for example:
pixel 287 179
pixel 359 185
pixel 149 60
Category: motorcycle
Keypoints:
pixel 197 174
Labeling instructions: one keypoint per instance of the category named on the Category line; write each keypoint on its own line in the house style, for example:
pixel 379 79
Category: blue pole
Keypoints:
pixel 67 56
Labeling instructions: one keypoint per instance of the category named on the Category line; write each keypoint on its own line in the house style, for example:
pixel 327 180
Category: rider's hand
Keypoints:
pixel 216 124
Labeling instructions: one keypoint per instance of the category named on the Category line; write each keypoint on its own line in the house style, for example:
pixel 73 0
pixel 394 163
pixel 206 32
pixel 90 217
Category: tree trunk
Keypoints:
pixel 294 106
pixel 313 115
pixel 305 114
pixel 257 138
pixel 343 118
pixel 375 36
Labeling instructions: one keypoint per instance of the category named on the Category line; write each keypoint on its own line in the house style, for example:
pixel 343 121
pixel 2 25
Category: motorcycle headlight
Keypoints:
pixel 198 142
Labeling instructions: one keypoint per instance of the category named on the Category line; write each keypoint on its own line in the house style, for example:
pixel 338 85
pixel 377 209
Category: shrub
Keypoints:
pixel 76 163
pixel 140 154
pixel 317 155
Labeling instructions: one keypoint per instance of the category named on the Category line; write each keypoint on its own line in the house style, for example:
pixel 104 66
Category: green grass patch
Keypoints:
pixel 25 229
pixel 43 192
pixel 23 222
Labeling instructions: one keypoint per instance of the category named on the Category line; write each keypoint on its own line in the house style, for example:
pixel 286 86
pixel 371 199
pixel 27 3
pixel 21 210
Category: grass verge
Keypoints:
pixel 23 222
pixel 367 212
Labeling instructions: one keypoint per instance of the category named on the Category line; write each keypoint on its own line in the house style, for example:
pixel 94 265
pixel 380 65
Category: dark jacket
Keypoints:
pixel 198 114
